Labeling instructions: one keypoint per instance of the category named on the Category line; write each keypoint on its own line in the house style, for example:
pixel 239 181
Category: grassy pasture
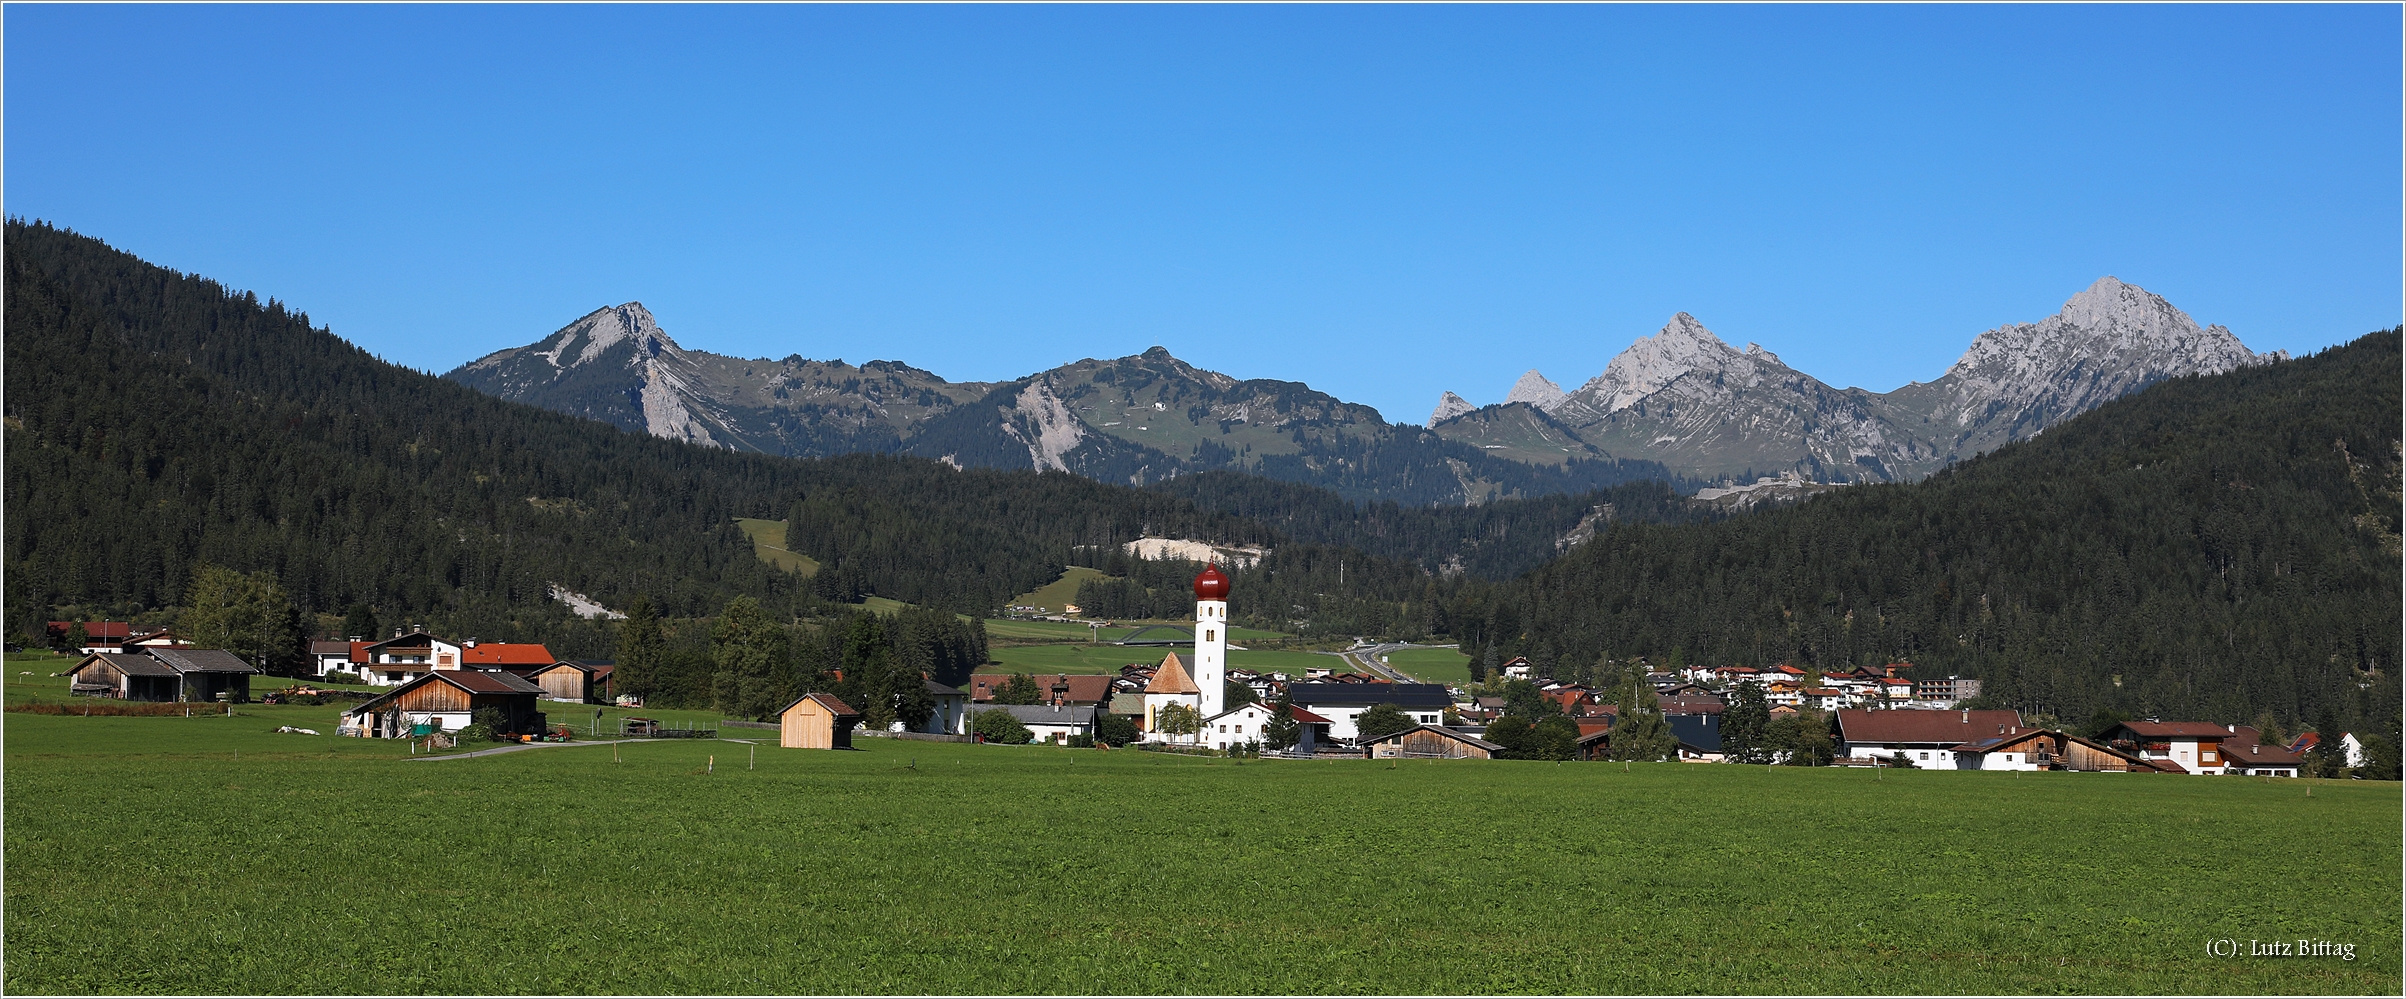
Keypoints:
pixel 1432 665
pixel 332 865
pixel 1109 658
pixel 768 542
pixel 1059 593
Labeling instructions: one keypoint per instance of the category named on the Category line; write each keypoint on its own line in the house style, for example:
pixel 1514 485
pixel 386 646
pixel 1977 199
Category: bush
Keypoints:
pixel 1381 720
pixel 999 726
pixel 492 721
pixel 1081 742
pixel 1114 730
pixel 477 733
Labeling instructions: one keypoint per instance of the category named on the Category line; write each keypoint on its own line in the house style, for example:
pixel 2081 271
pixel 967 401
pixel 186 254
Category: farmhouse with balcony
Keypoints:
pixel 2044 749
pixel 2247 754
pixel 449 700
pixel 2196 747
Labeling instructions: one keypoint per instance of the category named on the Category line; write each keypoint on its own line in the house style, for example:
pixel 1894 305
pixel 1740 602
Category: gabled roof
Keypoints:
pixel 1308 718
pixel 1440 730
pixel 834 705
pixel 413 638
pixel 1264 708
pixel 1080 688
pixel 2247 748
pixel 202 661
pixel 1693 705
pixel 469 680
pixel 1171 678
pixel 129 663
pixel 326 648
pixel 506 654
pixel 1951 728
pixel 942 690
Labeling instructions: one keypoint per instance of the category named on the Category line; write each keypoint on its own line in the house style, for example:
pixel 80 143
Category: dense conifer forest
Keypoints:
pixel 2213 547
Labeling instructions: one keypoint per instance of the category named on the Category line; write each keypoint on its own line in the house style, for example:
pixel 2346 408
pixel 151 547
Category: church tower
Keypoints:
pixel 1211 639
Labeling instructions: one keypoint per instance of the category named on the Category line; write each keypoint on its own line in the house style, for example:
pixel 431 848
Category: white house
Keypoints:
pixel 1050 723
pixel 951 716
pixel 1927 738
pixel 1341 703
pixel 1237 726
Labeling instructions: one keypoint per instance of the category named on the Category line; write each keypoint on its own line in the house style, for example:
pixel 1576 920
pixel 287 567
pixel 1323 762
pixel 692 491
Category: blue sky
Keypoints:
pixel 1384 202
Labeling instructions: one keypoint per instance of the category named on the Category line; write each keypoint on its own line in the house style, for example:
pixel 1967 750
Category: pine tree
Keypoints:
pixel 1743 722
pixel 1283 731
pixel 640 651
pixel 751 656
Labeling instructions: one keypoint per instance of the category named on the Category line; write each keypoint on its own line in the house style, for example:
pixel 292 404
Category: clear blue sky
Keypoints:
pixel 1385 202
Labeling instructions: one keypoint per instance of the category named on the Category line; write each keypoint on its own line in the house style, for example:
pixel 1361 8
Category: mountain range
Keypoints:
pixel 1708 410
pixel 1680 405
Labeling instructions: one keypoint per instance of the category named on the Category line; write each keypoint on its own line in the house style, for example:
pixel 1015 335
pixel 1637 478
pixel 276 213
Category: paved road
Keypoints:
pixel 514 747
pixel 1367 656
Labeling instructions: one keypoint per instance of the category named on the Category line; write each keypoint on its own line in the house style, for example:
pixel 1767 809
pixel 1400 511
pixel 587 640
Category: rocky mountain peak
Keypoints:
pixel 1451 405
pixel 588 338
pixel 1535 389
pixel 1681 346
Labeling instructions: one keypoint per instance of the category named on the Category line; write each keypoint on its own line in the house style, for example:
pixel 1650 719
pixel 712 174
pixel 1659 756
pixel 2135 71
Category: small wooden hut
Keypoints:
pixel 817 721
pixel 124 675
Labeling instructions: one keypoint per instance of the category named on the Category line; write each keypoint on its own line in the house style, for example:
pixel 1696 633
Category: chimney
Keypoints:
pixel 2234 727
pixel 471 643
pixel 1967 716
pixel 396 631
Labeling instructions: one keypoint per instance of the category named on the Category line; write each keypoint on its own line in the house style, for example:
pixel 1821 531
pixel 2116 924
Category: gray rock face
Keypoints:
pixel 1536 390
pixel 1449 406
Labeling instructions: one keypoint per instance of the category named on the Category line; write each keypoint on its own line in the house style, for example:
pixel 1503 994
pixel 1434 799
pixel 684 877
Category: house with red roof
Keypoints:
pixel 99 636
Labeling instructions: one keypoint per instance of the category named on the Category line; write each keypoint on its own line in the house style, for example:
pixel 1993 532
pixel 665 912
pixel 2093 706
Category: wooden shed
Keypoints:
pixel 1431 742
pixel 816 721
pixel 124 675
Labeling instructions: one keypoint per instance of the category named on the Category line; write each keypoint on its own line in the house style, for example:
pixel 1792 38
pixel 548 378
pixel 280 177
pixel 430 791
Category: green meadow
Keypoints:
pixel 1109 658
pixel 209 855
pixel 1432 665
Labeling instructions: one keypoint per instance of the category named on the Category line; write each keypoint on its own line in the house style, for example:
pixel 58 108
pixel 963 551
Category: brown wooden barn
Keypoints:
pixel 816 721
pixel 448 699
pixel 124 675
pixel 205 673
pixel 2042 749
pixel 1431 742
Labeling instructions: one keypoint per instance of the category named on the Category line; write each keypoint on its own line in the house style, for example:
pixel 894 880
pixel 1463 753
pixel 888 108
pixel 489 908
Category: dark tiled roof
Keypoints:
pixel 477 681
pixel 329 648
pixel 132 664
pixel 1402 695
pixel 202 661
pixel 1952 728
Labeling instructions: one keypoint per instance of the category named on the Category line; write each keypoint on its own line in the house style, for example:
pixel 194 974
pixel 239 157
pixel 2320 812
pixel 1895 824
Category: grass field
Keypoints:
pixel 768 542
pixel 173 855
pixel 1109 658
pixel 1432 665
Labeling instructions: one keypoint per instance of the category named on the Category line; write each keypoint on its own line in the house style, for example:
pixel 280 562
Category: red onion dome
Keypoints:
pixel 1212 584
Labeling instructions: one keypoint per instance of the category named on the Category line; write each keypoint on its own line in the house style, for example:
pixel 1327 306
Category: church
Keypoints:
pixel 1203 688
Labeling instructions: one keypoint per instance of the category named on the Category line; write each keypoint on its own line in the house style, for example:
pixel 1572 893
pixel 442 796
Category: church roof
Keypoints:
pixel 1172 678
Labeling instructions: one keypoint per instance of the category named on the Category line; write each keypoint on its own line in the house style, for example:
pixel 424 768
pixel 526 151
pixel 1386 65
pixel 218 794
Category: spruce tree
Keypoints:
pixel 1743 722
pixel 641 647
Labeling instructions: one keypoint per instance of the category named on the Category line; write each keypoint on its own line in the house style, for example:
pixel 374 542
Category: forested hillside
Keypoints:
pixel 1497 540
pixel 157 421
pixel 2214 547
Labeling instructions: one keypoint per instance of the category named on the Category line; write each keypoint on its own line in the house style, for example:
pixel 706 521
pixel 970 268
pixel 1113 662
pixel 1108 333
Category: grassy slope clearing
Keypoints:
pixel 768 542
pixel 1052 597
pixel 920 867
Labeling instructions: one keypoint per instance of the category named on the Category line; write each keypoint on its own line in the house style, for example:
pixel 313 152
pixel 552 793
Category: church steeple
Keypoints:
pixel 1211 639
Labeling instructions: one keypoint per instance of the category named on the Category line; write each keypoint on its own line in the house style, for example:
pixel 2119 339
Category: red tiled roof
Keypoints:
pixel 2247 748
pixel 1309 718
pixel 834 704
pixel 506 654
pixel 359 651
pixel 1904 726
pixel 1084 688
pixel 96 630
